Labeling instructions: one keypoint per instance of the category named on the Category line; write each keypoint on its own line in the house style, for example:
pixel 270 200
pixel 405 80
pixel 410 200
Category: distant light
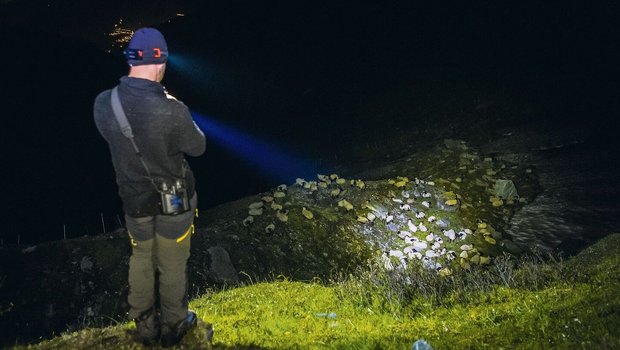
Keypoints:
pixel 180 15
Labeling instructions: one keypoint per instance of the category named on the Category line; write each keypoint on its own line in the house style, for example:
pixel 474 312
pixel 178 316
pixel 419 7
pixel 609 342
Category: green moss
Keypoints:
pixel 295 315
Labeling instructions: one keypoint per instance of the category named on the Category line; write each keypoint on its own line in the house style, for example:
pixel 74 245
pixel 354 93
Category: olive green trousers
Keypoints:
pixel 166 255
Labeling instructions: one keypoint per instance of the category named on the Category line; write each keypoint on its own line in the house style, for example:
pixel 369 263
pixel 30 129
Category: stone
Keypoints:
pixel 221 268
pixel 505 189
pixel 511 247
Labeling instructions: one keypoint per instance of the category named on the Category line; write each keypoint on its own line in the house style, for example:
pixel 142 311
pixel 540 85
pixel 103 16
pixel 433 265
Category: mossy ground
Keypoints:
pixel 577 312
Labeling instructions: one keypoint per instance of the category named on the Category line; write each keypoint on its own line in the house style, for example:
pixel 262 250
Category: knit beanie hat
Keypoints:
pixel 147 46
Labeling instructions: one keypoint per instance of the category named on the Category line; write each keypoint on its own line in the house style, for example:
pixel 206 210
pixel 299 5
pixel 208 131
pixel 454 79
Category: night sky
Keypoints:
pixel 296 73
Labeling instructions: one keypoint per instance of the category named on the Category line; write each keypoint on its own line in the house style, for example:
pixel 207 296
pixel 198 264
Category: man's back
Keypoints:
pixel 163 130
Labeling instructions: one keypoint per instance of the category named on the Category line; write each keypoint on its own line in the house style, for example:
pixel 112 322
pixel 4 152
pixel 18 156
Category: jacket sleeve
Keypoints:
pixel 192 139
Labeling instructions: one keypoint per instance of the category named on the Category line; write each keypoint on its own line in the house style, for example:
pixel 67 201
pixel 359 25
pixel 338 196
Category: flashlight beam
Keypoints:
pixel 273 161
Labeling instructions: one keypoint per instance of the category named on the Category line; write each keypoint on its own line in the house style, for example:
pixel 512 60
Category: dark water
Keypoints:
pixel 303 82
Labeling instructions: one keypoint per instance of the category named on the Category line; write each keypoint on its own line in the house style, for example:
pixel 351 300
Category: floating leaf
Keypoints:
pixel 282 216
pixel 256 212
pixel 489 239
pixel 256 205
pixel 307 213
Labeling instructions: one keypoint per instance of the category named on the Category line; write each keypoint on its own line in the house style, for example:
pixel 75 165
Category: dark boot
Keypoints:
pixel 147 327
pixel 173 335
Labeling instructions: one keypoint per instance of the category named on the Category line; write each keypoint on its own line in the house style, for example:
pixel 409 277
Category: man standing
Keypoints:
pixel 150 163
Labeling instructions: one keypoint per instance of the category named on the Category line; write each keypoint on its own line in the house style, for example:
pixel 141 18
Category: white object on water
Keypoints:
pixel 412 226
pixel 450 234
pixel 431 254
pixel 270 228
pixel 282 216
pixel 371 217
pixel 403 234
pixel 419 245
pixel 255 205
pixel 416 255
pixel 421 344
pixel 462 235
pixel 451 255
pixel 248 221
pixel 410 240
pixel 467 247
pixel 256 212
pixel 397 253
pixel 427 263
pixel 323 178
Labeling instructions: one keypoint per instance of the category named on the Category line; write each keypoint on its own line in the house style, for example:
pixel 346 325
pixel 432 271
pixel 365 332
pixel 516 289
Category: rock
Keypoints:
pixel 86 264
pixel 505 189
pixel 454 144
pixel 511 247
pixel 222 268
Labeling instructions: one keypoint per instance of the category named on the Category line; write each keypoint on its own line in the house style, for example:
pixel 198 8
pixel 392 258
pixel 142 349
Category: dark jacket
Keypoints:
pixel 164 132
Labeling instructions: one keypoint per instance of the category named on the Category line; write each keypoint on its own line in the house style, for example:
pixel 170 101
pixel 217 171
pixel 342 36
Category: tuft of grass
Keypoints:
pixel 516 303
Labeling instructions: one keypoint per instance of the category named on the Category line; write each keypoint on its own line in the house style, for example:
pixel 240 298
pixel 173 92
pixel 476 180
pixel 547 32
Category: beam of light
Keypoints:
pixel 271 160
pixel 196 69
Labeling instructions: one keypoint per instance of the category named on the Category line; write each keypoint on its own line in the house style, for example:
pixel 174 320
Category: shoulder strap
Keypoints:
pixel 119 113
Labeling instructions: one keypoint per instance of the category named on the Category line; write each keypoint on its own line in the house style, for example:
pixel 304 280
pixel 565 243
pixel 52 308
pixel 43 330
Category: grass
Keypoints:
pixel 533 303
